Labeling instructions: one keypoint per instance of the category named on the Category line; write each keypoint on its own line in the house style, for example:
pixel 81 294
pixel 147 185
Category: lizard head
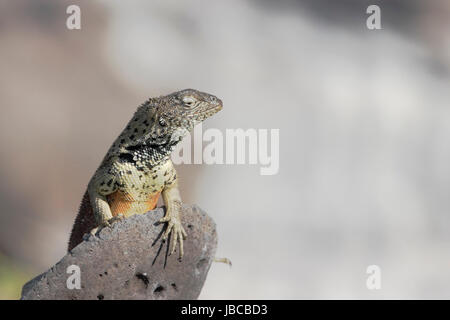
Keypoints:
pixel 167 119
pixel 185 109
pixel 179 112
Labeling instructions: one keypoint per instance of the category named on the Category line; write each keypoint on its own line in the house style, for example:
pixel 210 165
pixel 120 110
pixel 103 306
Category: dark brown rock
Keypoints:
pixel 129 261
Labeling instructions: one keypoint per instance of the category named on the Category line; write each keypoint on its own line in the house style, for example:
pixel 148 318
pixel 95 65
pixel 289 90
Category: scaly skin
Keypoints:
pixel 137 168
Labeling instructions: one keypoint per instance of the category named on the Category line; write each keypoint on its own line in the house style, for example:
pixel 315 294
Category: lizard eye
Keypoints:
pixel 189 101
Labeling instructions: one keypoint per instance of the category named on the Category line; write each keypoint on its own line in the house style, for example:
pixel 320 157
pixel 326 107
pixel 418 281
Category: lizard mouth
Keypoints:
pixel 220 104
pixel 215 107
pixel 212 110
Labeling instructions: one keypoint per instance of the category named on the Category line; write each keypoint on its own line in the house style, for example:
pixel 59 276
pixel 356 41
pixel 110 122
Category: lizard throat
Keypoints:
pixel 147 154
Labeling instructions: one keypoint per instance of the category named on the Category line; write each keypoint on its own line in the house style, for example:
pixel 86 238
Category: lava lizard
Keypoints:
pixel 137 167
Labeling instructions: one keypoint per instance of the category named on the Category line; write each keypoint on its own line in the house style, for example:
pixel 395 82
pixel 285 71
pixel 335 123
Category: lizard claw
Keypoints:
pixel 114 219
pixel 176 230
pixel 107 223
pixel 223 260
pixel 166 218
pixel 93 232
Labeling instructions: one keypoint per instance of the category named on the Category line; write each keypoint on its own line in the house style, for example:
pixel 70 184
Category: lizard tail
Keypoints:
pixel 84 222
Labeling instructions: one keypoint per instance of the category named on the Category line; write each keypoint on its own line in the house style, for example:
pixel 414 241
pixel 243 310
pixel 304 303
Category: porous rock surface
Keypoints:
pixel 130 261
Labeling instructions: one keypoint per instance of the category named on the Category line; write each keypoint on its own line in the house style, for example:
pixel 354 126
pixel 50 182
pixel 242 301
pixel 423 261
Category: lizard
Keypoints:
pixel 137 168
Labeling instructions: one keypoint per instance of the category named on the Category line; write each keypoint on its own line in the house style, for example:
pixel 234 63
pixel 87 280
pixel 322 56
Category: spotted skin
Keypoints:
pixel 137 168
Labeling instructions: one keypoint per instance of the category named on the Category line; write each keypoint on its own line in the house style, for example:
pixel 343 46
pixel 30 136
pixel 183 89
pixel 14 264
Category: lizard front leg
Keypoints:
pixel 172 201
pixel 98 190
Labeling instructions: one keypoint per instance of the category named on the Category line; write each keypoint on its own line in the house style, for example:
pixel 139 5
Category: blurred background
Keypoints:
pixel 364 135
